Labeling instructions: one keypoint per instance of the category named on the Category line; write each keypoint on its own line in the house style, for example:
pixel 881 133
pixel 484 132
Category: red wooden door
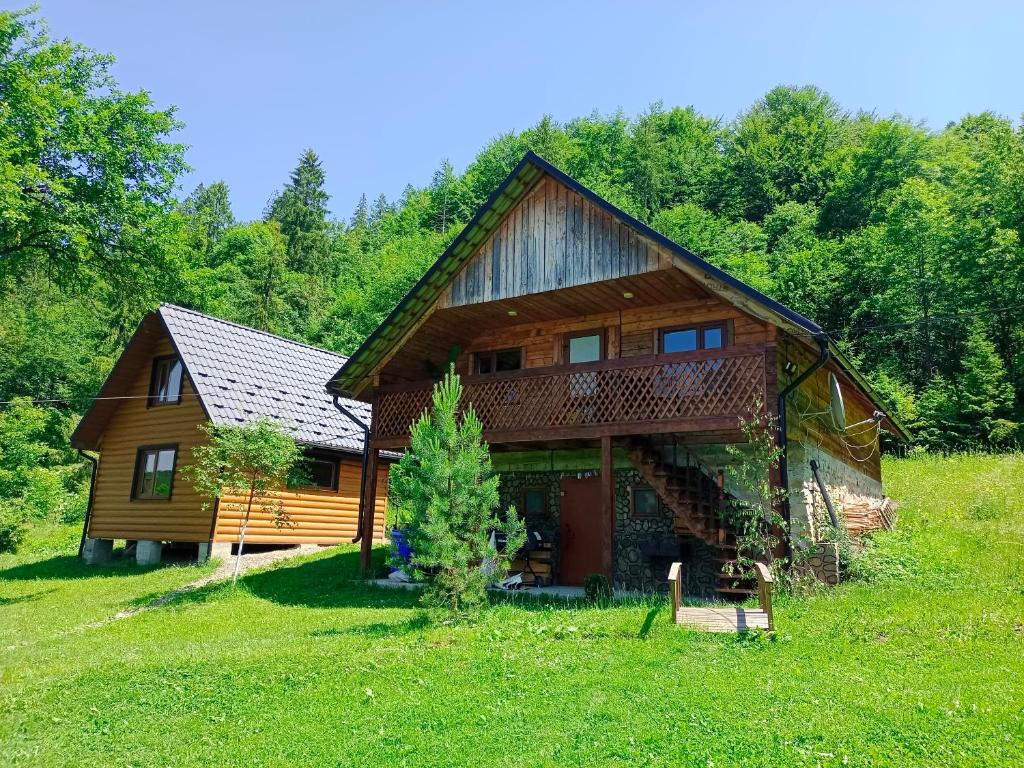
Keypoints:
pixel 580 530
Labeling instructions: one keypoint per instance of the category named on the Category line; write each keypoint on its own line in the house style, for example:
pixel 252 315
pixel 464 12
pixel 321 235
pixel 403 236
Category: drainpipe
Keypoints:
pixel 366 459
pixel 823 356
pixel 92 491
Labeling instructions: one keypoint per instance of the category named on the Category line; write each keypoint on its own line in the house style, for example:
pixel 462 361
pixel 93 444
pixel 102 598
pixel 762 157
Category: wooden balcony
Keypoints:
pixel 704 391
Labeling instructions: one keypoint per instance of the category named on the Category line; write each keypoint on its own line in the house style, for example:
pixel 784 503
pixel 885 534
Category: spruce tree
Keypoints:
pixel 301 212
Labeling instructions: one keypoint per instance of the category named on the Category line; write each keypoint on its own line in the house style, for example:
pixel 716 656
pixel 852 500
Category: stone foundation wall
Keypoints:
pixel 822 559
pixel 846 486
pixel 636 568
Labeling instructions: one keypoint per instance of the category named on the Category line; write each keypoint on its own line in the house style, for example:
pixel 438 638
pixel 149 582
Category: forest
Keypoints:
pixel 902 240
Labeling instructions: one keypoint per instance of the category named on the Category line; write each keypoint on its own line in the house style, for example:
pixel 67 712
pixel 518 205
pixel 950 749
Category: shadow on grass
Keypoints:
pixel 29 598
pixel 71 567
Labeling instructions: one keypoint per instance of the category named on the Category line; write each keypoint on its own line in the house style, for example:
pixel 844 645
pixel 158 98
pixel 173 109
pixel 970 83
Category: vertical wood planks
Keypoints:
pixel 551 239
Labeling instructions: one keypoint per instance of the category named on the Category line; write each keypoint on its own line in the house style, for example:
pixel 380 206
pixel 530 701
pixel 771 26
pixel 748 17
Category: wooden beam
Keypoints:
pixel 607 507
pixel 369 503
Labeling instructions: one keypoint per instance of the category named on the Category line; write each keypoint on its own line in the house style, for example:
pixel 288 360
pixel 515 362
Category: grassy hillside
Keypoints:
pixel 919 663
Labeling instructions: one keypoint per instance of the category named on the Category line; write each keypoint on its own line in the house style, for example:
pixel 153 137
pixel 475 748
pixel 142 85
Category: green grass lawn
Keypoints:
pixel 920 663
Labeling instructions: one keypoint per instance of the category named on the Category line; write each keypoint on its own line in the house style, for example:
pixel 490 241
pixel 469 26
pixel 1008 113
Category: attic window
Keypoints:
pixel 165 382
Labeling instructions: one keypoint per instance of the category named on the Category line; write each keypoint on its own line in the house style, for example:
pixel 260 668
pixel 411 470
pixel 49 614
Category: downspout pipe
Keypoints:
pixel 92 493
pixel 366 460
pixel 824 354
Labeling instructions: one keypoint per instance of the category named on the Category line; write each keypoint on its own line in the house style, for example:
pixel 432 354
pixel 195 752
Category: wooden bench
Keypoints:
pixel 724 619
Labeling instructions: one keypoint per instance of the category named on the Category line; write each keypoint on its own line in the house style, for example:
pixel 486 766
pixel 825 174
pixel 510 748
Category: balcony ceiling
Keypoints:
pixel 446 328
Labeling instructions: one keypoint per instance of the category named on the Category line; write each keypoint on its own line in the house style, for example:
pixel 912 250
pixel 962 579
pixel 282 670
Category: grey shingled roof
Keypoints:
pixel 241 374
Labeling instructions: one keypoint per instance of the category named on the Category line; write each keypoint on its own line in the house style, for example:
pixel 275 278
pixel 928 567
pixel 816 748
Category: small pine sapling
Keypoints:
pixel 446 494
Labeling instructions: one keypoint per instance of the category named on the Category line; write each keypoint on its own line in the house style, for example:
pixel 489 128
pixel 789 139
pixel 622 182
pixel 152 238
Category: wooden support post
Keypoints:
pixel 607 508
pixel 369 503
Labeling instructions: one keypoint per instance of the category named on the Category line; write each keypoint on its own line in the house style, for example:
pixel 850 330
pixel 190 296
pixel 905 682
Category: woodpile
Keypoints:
pixel 865 516
pixel 536 566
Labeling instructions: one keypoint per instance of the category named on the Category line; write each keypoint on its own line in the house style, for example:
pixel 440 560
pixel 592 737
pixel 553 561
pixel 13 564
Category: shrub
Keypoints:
pixel 12 526
pixel 597 589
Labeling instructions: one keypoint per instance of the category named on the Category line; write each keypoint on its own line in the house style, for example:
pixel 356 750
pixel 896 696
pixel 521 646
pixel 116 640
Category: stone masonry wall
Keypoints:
pixel 846 486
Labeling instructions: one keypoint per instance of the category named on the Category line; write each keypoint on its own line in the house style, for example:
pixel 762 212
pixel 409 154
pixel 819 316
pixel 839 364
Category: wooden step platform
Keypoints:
pixel 723 619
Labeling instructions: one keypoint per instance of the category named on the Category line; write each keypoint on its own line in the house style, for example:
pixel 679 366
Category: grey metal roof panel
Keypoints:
pixel 242 374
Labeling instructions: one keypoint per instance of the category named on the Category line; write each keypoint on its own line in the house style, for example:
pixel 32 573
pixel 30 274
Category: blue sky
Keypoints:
pixel 383 91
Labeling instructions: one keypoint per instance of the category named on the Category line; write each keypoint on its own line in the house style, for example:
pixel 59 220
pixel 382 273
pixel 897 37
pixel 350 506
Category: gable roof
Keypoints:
pixel 239 374
pixel 351 377
pixel 418 301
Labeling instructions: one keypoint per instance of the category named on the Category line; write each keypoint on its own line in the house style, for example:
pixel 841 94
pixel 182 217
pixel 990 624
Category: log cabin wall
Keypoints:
pixel 318 516
pixel 629 333
pixel 115 515
pixel 313 516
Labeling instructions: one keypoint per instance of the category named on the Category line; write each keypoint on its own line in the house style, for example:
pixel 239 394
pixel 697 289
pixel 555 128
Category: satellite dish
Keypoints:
pixel 836 403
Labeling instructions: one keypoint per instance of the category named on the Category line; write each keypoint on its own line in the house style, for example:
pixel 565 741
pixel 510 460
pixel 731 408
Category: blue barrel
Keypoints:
pixel 401 544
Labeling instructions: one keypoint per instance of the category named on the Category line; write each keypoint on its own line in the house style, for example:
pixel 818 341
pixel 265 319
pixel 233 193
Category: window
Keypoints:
pixel 692 339
pixel 643 502
pixel 323 471
pixel 586 347
pixel 165 383
pixel 499 360
pixel 154 472
pixel 535 502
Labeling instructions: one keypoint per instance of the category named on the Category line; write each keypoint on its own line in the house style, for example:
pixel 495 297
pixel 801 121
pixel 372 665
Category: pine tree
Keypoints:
pixel 447 494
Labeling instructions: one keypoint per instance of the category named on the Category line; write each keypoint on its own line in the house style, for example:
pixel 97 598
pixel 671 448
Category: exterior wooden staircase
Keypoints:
pixel 696 497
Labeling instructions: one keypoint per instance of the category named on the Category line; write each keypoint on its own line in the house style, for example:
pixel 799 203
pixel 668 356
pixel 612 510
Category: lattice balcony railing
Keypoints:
pixel 628 391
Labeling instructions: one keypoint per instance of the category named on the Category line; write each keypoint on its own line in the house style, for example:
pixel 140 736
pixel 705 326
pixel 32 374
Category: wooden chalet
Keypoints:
pixel 183 369
pixel 611 367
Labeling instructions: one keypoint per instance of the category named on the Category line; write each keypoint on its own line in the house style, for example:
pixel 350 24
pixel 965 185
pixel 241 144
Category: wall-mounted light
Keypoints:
pixel 789 367
pixel 627 294
pixel 512 313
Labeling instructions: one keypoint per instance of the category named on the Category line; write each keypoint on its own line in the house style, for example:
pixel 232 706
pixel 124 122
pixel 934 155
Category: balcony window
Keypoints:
pixel 585 347
pixel 498 360
pixel 692 339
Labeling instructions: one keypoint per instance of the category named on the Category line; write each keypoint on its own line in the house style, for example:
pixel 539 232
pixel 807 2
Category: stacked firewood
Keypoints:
pixel 864 516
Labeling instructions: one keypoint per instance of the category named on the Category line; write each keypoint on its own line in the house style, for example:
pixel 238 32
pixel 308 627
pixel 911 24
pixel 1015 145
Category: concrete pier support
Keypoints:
pixel 204 552
pixel 147 552
pixel 221 549
pixel 98 551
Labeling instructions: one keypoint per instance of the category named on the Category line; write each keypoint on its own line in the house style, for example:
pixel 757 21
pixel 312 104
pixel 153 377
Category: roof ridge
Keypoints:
pixel 252 330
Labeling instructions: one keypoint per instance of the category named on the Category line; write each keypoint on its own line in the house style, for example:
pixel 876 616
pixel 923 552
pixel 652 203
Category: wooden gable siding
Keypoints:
pixel 133 425
pixel 807 417
pixel 554 238
pixel 629 333
pixel 313 516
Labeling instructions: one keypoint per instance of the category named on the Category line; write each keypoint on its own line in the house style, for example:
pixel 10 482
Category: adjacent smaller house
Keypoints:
pixel 183 369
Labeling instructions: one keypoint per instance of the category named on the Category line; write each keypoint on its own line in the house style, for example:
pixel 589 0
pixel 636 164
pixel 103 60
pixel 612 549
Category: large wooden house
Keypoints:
pixel 611 368
pixel 183 369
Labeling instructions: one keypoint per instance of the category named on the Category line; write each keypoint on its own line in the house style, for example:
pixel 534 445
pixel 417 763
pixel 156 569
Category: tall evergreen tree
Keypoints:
pixel 301 212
